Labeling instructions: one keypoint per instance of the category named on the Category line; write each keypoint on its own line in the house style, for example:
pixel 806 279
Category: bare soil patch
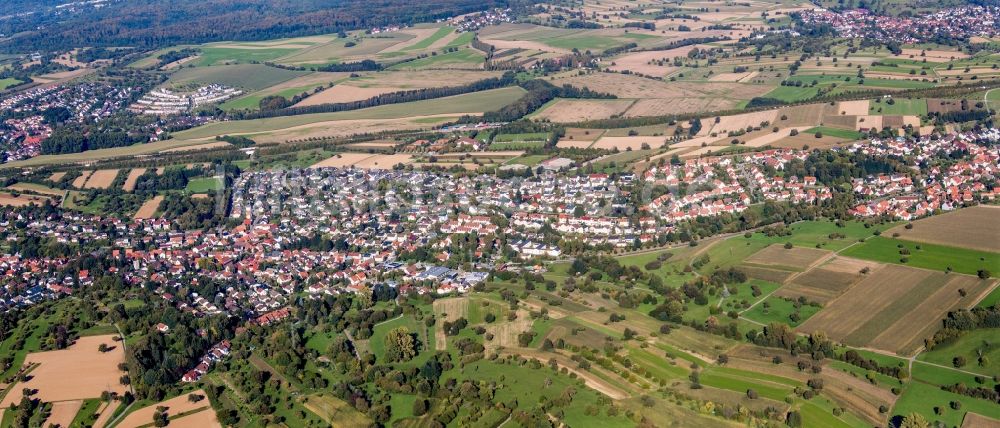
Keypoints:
pixel 567 110
pixel 78 372
pixel 56 176
pixel 975 227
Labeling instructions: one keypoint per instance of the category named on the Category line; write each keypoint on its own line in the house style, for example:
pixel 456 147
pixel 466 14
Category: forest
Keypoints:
pixel 142 23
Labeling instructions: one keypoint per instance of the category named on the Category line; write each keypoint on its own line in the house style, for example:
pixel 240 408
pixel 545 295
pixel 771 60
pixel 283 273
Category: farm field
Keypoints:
pixel 8 82
pixel 974 228
pixel 927 256
pixel 567 110
pixel 972 346
pixel 252 77
pixel 174 406
pixel 898 318
pixel 78 372
pixel 460 104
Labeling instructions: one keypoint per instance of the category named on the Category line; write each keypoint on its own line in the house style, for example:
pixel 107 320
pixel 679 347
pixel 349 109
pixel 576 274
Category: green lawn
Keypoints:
pixel 780 310
pixel 8 82
pixel 929 256
pixel 834 132
pixel 922 398
pixel 203 184
pixel 791 93
pixel 903 106
pixel 377 342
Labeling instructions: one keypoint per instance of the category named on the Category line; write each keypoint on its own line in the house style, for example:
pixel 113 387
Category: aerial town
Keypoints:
pixel 496 214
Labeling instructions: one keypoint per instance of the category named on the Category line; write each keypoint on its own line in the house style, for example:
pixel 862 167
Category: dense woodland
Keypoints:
pixel 129 23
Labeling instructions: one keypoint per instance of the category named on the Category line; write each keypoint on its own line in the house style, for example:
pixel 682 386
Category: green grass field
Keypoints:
pixel 202 185
pixel 250 77
pixel 510 138
pixel 426 43
pixel 791 93
pixel 834 132
pixel 212 55
pixel 972 345
pixel 902 106
pixel 928 256
pixel 922 398
pixel 780 310
pixel 517 145
pixel 8 82
pixel 466 58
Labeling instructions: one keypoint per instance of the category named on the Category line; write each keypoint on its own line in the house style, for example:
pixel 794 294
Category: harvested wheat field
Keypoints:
pixel 505 333
pixel 931 55
pixel 205 418
pixel 975 227
pixel 342 160
pixel 624 143
pixel 795 258
pixel 975 420
pixel 707 140
pixel 853 108
pixel 447 310
pixel 737 122
pixel 63 412
pixel 732 77
pixel 383 161
pixel 571 144
pixel 148 208
pixel 133 176
pixel 175 406
pixel 649 63
pixel 679 105
pixel 869 122
pixel 9 200
pixel 567 110
pixel 101 179
pixel 80 181
pixel 77 372
pixel 773 137
pixel 57 176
